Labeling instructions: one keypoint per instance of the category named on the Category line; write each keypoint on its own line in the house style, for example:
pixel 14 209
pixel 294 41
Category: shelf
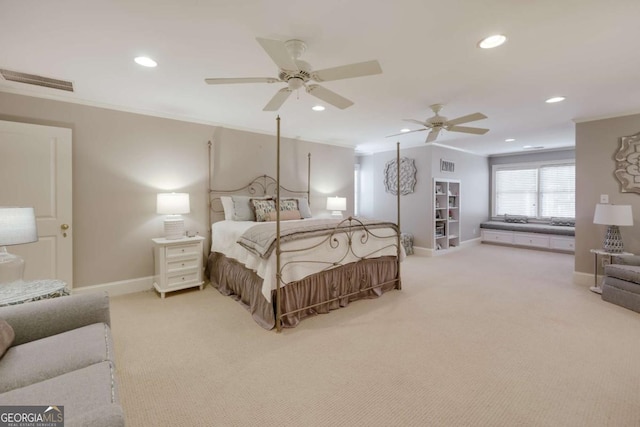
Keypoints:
pixel 446 213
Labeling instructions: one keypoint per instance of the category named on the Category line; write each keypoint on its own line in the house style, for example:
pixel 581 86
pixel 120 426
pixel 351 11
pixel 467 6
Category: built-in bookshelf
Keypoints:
pixel 446 214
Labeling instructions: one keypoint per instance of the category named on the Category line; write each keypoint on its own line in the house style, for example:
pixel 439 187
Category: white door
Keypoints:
pixel 35 171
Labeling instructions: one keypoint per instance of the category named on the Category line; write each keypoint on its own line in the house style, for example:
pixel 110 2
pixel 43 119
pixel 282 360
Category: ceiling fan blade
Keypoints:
pixel 404 133
pixel 466 129
pixel 433 135
pixel 425 124
pixel 277 100
pixel 329 96
pixel 466 119
pixel 224 81
pixel 278 53
pixel 359 69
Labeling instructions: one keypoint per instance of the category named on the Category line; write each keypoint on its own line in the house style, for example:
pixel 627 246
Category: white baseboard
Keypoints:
pixel 585 279
pixel 119 288
pixel 418 250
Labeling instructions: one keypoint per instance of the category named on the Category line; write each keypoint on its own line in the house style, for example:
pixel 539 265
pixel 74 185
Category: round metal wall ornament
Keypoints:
pixel 628 164
pixel 407 176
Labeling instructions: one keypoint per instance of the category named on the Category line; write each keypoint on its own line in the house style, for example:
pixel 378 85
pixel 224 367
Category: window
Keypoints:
pixel 540 190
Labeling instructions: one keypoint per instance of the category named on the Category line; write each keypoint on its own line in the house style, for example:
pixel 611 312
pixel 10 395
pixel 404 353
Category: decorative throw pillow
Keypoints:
pixel 262 208
pixel 242 208
pixel 519 219
pixel 568 222
pixel 284 215
pixel 289 205
pixel 6 336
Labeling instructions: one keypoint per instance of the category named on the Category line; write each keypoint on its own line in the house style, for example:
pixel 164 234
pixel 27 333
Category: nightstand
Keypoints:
pixel 178 264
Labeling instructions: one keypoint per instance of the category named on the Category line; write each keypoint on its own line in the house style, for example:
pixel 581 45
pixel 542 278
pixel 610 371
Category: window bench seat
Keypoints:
pixel 531 235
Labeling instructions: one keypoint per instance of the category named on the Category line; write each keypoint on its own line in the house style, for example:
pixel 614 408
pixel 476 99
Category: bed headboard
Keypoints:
pixel 262 185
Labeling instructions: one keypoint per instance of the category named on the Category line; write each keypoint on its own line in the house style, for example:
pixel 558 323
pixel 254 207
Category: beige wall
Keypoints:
pixel 122 160
pixel 416 208
pixel 596 145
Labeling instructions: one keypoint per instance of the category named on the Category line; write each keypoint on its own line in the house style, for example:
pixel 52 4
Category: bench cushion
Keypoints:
pixel 559 230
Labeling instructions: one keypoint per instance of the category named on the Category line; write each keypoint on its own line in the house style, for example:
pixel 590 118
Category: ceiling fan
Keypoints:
pixel 297 73
pixel 438 122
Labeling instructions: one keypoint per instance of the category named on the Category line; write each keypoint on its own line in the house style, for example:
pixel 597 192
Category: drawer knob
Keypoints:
pixel 183 278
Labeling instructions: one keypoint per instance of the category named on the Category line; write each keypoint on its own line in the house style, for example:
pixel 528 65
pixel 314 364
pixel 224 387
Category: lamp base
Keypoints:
pixel 173 227
pixel 336 214
pixel 11 267
pixel 613 240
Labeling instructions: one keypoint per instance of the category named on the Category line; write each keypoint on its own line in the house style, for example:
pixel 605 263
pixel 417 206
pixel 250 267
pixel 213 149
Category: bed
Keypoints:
pixel 283 265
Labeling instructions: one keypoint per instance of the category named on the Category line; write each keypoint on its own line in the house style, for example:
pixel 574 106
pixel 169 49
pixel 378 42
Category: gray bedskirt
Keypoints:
pixel 245 286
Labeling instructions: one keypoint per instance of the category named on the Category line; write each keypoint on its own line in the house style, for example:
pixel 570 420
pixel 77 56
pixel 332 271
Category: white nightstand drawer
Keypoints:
pixel 497 236
pixel 181 264
pixel 531 240
pixel 180 250
pixel 185 277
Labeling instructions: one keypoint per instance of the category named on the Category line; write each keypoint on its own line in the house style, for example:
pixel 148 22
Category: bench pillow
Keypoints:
pixel 519 219
pixel 567 222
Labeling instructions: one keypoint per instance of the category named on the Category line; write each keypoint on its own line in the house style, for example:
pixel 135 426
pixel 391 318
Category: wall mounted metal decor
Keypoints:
pixel 407 176
pixel 628 164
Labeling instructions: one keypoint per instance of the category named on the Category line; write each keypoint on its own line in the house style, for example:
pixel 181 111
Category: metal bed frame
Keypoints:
pixel 350 229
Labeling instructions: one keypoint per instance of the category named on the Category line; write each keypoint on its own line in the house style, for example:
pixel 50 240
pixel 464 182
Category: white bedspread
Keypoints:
pixel 224 236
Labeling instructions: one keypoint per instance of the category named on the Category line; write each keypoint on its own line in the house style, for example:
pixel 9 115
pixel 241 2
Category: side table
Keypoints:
pixel 178 264
pixel 600 252
pixel 20 291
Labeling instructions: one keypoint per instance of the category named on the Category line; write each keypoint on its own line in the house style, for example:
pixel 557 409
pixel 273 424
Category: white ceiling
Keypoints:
pixel 586 50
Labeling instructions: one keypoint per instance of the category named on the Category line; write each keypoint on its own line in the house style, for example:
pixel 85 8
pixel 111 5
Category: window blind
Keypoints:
pixel 536 191
pixel 557 191
pixel 516 191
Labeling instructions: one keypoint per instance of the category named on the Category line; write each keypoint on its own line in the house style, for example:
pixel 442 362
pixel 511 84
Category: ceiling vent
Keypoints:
pixel 32 79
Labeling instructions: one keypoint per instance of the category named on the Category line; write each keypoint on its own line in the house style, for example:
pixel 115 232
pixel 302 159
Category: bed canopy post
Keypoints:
pixel 309 179
pixel 210 203
pixel 398 201
pixel 278 275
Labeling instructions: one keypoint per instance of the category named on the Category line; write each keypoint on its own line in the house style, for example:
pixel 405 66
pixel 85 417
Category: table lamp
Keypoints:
pixel 17 226
pixel 336 205
pixel 173 205
pixel 613 216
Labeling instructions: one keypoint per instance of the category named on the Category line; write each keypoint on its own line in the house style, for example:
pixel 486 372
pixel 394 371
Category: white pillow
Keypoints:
pixel 303 207
pixel 227 205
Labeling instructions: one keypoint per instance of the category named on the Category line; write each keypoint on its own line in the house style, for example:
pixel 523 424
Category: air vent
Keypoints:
pixel 32 79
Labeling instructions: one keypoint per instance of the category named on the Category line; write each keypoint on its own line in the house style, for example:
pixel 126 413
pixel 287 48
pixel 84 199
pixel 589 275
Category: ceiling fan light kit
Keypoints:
pixel 297 74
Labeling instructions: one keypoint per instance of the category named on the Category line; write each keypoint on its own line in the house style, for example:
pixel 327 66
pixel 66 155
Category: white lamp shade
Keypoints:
pixel 336 203
pixel 613 215
pixel 173 203
pixel 17 226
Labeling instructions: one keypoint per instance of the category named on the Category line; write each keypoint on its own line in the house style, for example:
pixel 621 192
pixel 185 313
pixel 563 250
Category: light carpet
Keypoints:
pixel 483 336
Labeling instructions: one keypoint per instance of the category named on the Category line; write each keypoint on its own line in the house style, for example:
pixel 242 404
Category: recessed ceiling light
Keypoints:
pixel 145 62
pixel 509 140
pixel 492 41
pixel 405 130
pixel 317 108
pixel 555 99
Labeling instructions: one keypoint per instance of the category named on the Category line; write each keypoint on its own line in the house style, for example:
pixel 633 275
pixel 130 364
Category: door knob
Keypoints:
pixel 64 228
